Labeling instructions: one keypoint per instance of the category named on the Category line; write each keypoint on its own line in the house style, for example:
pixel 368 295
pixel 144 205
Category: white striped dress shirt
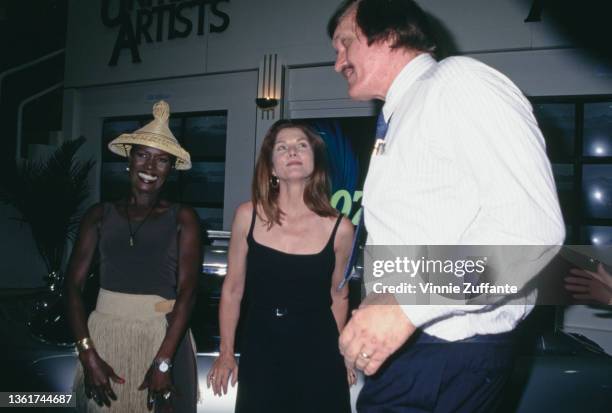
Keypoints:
pixel 464 164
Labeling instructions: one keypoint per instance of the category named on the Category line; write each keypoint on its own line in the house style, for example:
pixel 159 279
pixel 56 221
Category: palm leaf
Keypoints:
pixel 48 196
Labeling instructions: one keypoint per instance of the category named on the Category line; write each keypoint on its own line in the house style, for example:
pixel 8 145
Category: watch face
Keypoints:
pixel 164 366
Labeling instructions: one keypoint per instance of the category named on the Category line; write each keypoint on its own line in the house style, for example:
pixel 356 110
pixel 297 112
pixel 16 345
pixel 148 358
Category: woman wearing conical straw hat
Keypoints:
pixel 135 350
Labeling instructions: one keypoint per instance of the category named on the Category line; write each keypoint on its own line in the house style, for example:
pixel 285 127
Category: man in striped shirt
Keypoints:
pixel 463 163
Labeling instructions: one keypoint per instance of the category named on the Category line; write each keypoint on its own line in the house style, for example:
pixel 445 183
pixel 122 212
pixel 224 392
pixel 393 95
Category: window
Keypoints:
pixel 578 133
pixel 203 135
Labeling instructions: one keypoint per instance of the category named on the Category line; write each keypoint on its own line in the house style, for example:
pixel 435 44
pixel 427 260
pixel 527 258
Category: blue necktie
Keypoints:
pixel 381 133
pixel 381 127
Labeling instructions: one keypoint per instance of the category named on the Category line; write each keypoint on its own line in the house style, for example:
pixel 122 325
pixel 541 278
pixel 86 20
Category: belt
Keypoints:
pixel 138 306
pixel 283 310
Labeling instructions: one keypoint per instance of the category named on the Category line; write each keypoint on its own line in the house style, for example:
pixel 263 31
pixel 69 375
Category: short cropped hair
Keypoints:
pixel 402 20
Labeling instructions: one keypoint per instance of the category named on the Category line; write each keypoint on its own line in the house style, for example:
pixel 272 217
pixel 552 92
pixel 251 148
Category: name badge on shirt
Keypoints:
pixel 379 147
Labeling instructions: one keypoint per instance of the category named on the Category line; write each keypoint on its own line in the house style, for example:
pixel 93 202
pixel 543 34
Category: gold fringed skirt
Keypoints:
pixel 127 331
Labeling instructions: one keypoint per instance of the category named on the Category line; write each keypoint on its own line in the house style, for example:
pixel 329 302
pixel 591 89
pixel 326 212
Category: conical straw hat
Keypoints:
pixel 155 134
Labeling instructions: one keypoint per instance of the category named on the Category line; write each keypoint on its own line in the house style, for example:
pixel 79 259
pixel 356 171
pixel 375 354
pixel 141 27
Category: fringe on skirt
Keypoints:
pixel 127 331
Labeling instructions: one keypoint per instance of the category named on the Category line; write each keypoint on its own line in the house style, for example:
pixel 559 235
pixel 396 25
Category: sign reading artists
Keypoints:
pixel 158 20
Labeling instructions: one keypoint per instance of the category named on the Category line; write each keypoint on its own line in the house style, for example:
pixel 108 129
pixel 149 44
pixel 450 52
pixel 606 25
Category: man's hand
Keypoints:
pixel 376 330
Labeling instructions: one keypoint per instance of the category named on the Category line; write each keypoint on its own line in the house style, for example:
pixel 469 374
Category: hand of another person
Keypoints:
pixel 159 388
pixel 98 375
pixel 224 366
pixel 376 330
pixel 351 376
pixel 590 286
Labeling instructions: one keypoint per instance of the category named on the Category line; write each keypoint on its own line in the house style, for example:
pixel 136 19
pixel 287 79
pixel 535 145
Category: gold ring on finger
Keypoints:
pixel 364 355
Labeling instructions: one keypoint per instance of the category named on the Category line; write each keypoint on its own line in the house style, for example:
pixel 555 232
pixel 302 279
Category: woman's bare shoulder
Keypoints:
pixel 244 210
pixel 242 217
pixel 187 215
pixel 94 213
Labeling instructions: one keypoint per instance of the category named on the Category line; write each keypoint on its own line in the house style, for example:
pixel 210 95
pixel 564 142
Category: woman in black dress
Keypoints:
pixel 135 351
pixel 287 254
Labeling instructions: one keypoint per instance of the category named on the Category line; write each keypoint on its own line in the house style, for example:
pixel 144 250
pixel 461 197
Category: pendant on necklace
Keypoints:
pixel 131 241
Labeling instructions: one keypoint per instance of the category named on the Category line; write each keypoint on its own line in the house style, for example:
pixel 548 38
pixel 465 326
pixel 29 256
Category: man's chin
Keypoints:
pixel 355 94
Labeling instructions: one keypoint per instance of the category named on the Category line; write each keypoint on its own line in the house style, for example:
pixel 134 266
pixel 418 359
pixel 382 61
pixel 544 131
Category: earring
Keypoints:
pixel 274 181
pixel 127 169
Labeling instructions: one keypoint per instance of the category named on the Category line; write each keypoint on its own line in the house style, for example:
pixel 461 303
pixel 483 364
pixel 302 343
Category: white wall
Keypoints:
pixel 319 91
pixel 89 45
pixel 294 29
pixel 554 72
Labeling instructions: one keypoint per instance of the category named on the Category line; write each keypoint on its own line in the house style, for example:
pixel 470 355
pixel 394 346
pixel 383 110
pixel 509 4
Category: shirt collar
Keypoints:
pixel 408 75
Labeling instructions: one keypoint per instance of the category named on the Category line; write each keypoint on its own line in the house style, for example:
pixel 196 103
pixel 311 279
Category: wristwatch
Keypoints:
pixel 163 365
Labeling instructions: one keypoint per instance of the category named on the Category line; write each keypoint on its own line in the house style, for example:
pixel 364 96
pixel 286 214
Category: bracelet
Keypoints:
pixel 84 344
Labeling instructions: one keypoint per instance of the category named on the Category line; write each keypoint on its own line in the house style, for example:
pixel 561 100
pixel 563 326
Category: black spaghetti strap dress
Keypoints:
pixel 289 360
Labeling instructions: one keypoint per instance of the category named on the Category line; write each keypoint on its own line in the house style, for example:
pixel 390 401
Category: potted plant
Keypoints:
pixel 48 196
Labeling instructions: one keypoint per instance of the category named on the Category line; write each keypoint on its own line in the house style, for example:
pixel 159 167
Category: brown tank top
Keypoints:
pixel 150 266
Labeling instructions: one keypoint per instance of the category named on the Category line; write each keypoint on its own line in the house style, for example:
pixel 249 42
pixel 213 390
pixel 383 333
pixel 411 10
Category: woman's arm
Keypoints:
pixel 229 307
pixel 97 372
pixel 340 302
pixel 189 261
pixel 342 249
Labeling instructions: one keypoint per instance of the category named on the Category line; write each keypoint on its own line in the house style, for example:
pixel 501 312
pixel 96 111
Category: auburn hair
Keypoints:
pixel 316 194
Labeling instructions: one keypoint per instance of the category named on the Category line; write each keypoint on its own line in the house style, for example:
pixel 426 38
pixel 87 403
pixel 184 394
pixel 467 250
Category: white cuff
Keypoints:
pixel 423 314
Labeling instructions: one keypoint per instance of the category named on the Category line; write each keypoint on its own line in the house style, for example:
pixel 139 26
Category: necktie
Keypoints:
pixel 379 148
pixel 381 133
